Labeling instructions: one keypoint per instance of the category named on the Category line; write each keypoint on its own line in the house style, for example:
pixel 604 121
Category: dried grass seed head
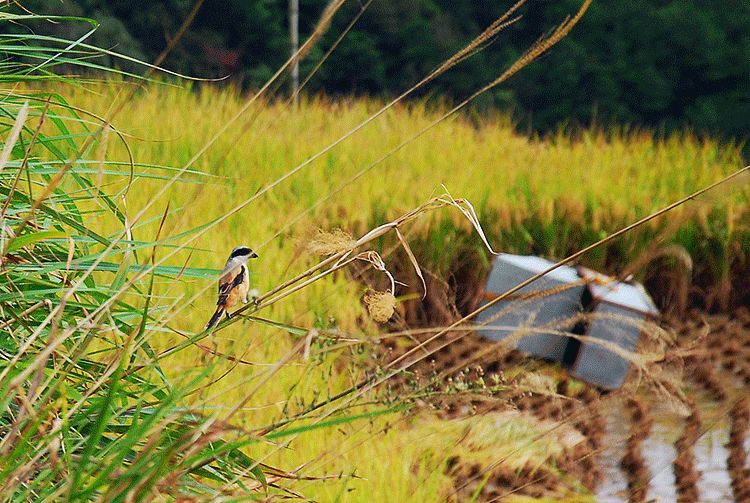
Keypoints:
pixel 380 305
pixel 326 243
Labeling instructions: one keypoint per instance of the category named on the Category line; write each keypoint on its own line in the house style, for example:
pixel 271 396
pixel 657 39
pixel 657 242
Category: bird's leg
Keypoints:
pixel 226 313
pixel 252 296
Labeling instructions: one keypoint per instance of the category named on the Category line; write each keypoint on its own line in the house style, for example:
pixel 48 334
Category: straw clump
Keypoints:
pixel 380 305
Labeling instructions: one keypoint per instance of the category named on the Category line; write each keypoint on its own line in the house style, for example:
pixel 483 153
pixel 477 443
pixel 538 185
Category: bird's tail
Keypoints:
pixel 215 318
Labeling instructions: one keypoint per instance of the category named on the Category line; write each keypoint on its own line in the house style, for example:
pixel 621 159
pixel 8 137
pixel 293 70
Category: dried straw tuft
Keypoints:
pixel 539 383
pixel 380 305
pixel 326 243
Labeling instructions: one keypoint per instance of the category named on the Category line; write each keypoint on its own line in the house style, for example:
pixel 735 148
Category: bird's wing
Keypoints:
pixel 230 265
pixel 225 287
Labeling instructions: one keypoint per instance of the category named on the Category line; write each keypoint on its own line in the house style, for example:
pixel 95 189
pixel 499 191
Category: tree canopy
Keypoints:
pixel 660 63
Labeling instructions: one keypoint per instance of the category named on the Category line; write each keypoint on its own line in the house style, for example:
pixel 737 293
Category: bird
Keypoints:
pixel 234 283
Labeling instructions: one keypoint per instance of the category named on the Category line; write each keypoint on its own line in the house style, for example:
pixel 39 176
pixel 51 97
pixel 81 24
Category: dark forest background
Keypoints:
pixel 664 64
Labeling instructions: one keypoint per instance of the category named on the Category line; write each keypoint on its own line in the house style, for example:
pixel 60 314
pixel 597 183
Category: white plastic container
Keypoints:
pixel 618 313
pixel 542 314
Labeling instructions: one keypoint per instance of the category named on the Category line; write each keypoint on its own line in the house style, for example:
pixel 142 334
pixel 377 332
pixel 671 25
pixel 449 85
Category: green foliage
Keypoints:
pixel 76 419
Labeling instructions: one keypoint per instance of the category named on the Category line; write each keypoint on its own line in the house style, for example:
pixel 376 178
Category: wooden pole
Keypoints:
pixel 294 40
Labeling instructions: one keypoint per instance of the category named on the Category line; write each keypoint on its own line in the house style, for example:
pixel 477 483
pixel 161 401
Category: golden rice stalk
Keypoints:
pixel 15 132
pixel 320 28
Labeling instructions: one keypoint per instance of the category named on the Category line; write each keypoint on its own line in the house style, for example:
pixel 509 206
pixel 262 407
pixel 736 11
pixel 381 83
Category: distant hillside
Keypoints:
pixel 661 63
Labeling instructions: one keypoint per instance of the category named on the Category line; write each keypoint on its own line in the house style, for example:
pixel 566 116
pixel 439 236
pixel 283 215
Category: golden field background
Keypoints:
pixel 523 189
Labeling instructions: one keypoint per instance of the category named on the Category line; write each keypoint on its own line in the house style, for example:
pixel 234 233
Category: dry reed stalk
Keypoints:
pixel 343 257
pixel 540 47
pixel 13 135
pixel 321 27
pixel 488 34
pixel 330 50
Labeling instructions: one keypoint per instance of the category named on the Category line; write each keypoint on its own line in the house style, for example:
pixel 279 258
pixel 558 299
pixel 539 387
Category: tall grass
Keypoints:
pixel 105 280
pixel 87 410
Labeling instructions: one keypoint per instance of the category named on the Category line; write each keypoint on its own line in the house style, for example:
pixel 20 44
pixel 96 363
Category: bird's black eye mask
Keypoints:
pixel 243 252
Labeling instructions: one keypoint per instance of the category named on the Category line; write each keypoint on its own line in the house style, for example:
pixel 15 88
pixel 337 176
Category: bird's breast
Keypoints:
pixel 243 288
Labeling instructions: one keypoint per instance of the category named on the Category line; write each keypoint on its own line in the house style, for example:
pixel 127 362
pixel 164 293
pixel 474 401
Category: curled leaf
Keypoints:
pixel 413 260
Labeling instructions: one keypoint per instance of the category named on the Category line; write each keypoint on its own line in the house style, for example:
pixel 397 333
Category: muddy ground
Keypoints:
pixel 708 356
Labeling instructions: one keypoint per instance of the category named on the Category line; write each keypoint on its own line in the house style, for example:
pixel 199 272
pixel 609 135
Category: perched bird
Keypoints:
pixel 234 283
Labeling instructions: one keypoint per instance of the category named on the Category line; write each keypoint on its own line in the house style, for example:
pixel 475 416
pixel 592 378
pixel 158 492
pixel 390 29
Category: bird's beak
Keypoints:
pixel 253 254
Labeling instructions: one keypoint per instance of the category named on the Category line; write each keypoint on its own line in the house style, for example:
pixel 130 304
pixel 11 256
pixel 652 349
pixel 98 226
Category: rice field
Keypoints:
pixel 550 196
